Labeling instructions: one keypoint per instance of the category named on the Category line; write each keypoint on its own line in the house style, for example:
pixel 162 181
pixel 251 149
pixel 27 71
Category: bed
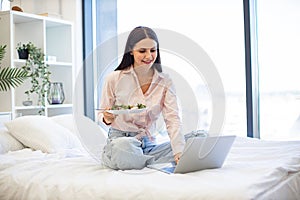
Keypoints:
pixel 33 165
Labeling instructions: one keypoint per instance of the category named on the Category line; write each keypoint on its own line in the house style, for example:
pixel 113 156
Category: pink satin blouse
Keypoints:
pixel 122 87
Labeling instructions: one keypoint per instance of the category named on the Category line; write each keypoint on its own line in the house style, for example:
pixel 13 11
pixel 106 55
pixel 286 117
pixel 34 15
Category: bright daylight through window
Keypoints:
pixel 279 66
pixel 217 27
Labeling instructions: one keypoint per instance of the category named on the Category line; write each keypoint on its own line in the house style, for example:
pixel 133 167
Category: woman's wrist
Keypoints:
pixel 105 122
pixel 177 157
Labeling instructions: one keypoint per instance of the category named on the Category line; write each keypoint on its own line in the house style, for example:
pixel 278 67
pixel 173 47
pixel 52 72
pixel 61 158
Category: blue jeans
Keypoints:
pixel 123 151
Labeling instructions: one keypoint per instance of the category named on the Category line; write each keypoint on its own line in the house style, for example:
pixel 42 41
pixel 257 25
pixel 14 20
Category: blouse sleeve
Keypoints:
pixel 107 98
pixel 172 119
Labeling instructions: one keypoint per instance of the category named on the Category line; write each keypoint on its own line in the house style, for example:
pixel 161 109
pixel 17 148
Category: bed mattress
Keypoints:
pixel 254 169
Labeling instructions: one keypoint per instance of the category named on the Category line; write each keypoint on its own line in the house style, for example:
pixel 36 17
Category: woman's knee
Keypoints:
pixel 126 153
pixel 127 144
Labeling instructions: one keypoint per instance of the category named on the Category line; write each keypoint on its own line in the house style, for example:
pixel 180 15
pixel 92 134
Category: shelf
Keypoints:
pixel 23 17
pixel 5 113
pixel 20 18
pixel 20 61
pixel 55 38
pixel 57 23
pixel 62 64
pixel 27 107
pixel 66 64
pixel 47 106
pixel 60 106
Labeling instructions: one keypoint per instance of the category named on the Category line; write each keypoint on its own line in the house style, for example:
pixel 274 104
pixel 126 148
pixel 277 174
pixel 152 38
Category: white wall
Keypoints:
pixel 70 10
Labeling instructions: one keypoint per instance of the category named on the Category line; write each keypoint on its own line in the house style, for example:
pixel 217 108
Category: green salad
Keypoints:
pixel 125 107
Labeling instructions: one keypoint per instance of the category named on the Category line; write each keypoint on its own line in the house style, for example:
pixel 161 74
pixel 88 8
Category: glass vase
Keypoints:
pixel 56 93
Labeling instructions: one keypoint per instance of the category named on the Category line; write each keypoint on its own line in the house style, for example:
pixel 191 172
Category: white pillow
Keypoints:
pixel 41 133
pixel 92 137
pixel 8 142
pixel 65 120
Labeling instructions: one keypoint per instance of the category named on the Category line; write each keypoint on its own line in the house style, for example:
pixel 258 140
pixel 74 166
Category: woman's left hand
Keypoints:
pixel 177 157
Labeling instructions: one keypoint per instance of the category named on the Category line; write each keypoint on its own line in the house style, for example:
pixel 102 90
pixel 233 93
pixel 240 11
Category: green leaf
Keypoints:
pixel 39 73
pixel 2 52
pixel 11 77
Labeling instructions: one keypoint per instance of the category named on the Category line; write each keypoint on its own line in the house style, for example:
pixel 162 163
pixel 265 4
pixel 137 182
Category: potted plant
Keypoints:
pixel 10 77
pixel 39 74
pixel 23 50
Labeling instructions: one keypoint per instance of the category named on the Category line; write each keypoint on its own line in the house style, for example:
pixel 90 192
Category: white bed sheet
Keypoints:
pixel 254 169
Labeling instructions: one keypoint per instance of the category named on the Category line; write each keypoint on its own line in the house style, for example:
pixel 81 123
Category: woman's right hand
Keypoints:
pixel 108 117
pixel 177 157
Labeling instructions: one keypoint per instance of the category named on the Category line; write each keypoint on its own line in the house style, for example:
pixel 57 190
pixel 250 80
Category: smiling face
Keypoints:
pixel 144 53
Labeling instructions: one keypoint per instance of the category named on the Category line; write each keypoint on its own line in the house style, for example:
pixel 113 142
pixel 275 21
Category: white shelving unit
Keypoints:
pixel 55 38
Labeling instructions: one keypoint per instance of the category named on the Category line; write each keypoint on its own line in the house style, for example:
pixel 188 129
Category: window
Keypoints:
pixel 217 27
pixel 279 68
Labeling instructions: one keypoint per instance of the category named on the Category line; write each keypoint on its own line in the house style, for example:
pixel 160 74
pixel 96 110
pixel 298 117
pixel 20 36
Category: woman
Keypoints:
pixel 139 80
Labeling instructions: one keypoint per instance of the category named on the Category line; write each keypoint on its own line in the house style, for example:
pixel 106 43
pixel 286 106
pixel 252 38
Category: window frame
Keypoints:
pixel 91 34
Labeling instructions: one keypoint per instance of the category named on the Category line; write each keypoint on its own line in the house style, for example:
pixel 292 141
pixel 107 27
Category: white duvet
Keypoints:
pixel 254 169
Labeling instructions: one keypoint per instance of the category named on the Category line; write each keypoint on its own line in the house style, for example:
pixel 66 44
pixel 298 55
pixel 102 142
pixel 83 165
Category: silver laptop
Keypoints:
pixel 199 153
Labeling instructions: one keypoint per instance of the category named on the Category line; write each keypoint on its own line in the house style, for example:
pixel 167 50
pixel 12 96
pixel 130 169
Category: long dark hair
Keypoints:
pixel 137 34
